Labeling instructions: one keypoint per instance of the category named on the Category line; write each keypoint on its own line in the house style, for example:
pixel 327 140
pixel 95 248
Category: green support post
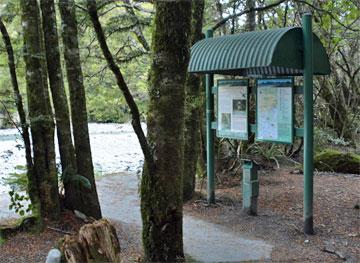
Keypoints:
pixel 308 124
pixel 250 187
pixel 210 133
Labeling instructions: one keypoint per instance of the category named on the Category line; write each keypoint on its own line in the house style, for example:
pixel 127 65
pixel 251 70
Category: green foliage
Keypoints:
pixel 335 161
pixel 20 203
pixel 8 12
pixel 17 180
pixel 269 151
pixel 19 200
pixel 105 100
pixel 325 137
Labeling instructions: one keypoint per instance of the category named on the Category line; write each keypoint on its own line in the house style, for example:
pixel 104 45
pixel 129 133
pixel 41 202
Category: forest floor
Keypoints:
pixel 279 220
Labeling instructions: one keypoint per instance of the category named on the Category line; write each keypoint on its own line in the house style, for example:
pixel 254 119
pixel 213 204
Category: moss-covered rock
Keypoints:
pixel 13 227
pixel 335 161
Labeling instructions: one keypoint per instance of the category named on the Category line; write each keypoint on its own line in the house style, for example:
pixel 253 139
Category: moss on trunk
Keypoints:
pixel 88 198
pixel 192 114
pixel 62 116
pixel 43 187
pixel 161 187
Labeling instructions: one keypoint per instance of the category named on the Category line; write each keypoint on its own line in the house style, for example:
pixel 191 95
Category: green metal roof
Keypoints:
pixel 269 52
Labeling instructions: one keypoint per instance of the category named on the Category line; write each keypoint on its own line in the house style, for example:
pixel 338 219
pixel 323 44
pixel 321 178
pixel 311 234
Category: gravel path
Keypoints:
pixel 203 241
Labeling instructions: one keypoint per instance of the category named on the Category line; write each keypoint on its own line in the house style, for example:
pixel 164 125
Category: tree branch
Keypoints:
pixel 91 4
pixel 327 12
pixel 138 30
pixel 256 9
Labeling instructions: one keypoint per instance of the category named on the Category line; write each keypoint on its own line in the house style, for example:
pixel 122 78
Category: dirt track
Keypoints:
pixel 337 221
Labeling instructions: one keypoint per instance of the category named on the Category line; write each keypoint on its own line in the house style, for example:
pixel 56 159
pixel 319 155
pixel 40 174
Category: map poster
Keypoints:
pixel 274 110
pixel 232 109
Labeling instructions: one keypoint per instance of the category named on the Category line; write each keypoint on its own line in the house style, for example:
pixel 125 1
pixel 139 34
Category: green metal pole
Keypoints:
pixel 308 124
pixel 210 133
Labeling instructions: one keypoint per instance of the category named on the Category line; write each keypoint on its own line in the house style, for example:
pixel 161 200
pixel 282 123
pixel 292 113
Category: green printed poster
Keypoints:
pixel 232 109
pixel 274 110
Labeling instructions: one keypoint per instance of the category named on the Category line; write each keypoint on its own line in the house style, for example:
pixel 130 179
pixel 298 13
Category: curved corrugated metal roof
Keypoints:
pixel 269 52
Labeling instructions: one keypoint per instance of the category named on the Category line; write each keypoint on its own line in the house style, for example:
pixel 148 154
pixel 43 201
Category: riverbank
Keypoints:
pixel 115 148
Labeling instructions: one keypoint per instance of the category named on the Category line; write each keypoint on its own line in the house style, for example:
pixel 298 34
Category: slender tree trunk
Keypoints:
pixel 220 11
pixel 136 123
pixel 250 25
pixel 161 188
pixel 19 104
pixel 192 105
pixel 89 197
pixel 45 184
pixel 67 153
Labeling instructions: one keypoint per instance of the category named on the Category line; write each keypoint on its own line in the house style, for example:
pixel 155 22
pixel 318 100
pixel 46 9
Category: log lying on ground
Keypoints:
pixel 96 242
pixel 19 225
pixel 335 161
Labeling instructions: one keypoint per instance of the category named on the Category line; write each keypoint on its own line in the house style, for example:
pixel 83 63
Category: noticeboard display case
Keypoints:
pixel 232 109
pixel 275 110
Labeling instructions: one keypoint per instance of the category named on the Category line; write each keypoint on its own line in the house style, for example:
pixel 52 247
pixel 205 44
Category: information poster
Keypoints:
pixel 232 110
pixel 274 111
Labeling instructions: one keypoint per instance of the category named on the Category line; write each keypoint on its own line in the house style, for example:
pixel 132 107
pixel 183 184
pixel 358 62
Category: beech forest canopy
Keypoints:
pixel 128 34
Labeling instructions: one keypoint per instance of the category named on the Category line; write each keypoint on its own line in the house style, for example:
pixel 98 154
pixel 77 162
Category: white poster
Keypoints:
pixel 232 109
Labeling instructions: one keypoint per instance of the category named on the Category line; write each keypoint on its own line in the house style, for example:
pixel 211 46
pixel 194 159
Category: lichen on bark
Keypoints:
pixel 161 187
pixel 43 187
pixel 193 103
pixel 61 107
pixel 88 198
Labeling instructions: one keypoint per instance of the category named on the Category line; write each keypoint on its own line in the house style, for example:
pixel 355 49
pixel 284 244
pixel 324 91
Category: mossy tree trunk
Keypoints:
pixel 62 116
pixel 192 105
pixel 89 197
pixel 161 187
pixel 44 184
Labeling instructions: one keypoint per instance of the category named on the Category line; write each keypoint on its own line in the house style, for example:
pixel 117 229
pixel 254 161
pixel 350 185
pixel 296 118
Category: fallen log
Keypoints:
pixel 19 225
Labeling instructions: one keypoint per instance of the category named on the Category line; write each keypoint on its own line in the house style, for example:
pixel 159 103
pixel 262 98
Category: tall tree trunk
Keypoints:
pixel 45 184
pixel 250 23
pixel 67 152
pixel 192 105
pixel 89 197
pixel 19 104
pixel 161 188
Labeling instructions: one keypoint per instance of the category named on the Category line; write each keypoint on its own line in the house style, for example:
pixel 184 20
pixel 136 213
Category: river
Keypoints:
pixel 115 148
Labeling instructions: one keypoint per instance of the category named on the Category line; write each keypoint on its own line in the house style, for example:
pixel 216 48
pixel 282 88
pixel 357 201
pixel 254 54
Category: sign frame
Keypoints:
pixel 292 116
pixel 233 134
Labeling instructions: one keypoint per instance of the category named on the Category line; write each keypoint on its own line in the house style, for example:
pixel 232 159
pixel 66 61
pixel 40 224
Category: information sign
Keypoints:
pixel 232 109
pixel 274 110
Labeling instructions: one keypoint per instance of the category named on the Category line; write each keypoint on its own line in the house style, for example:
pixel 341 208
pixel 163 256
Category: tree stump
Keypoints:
pixel 96 242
